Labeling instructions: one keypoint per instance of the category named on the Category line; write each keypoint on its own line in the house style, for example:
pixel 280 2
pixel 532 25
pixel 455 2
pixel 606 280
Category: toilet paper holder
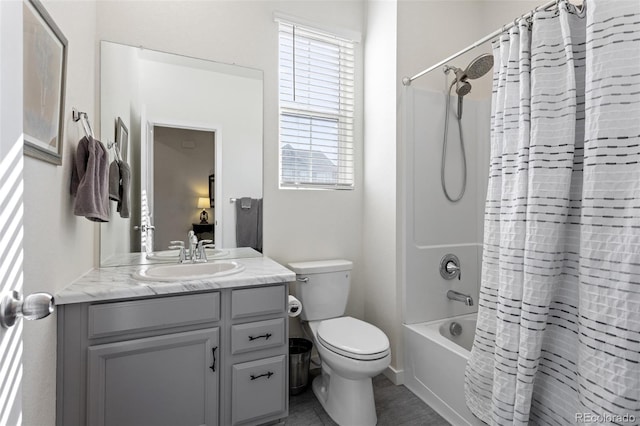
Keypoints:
pixel 294 306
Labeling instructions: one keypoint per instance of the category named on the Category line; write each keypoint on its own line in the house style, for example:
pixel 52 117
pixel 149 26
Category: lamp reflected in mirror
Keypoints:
pixel 204 203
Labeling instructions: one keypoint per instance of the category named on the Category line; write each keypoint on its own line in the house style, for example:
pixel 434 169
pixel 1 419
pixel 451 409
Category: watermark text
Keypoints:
pixel 604 418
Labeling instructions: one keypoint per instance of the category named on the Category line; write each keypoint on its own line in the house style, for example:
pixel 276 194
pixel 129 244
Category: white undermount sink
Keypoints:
pixel 172 255
pixel 188 271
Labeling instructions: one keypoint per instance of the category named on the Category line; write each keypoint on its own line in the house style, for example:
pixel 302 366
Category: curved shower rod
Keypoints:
pixel 407 80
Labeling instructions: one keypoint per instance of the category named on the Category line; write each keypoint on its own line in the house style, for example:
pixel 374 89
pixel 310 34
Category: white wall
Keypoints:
pixel 379 201
pixel 58 246
pixel 181 178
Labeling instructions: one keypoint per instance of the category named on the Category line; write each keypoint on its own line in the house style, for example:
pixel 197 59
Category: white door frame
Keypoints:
pixel 216 129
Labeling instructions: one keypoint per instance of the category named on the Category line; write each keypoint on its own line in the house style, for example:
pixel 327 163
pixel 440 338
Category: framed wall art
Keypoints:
pixel 44 71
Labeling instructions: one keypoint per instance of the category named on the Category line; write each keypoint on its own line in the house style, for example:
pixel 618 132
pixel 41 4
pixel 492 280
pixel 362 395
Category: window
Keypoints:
pixel 316 108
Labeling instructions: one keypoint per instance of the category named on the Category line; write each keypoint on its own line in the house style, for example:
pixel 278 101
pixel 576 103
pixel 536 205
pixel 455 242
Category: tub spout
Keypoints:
pixel 459 297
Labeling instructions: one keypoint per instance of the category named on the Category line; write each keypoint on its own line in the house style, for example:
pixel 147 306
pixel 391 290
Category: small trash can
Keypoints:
pixel 299 357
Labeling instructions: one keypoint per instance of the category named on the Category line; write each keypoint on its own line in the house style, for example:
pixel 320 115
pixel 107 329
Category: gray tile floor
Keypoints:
pixel 395 406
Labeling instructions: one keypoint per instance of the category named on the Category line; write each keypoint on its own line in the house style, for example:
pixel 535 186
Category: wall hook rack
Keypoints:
pixel 83 117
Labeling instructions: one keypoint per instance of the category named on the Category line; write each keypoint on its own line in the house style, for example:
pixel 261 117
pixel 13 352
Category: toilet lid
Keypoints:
pixel 353 338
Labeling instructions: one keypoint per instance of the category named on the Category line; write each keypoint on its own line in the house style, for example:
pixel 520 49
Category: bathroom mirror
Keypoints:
pixel 194 148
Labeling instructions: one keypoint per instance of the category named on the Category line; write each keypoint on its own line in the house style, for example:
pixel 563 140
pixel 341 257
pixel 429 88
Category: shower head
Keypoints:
pixel 476 69
pixel 479 66
pixel 463 87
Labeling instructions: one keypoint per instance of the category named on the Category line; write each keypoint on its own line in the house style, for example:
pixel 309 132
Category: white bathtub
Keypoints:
pixel 434 365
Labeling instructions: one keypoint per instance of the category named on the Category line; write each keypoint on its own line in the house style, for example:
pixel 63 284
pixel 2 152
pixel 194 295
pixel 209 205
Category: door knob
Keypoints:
pixel 32 307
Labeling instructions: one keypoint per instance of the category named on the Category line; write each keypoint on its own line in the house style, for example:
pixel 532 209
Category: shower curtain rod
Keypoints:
pixel 407 80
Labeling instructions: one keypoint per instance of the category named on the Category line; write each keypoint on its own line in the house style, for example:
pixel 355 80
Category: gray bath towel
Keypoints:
pixel 90 180
pixel 249 223
pixel 124 190
pixel 114 181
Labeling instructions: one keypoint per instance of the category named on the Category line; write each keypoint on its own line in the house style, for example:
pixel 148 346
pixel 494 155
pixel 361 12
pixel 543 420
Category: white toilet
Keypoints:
pixel 351 351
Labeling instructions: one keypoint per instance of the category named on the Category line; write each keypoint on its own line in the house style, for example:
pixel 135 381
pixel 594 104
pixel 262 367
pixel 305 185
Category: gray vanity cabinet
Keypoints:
pixel 209 358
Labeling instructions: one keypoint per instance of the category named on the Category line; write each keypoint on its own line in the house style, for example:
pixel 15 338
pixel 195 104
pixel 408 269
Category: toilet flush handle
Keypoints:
pixel 302 279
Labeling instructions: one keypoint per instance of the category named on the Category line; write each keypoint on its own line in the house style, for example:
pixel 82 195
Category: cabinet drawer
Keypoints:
pixel 150 314
pixel 259 389
pixel 257 301
pixel 257 335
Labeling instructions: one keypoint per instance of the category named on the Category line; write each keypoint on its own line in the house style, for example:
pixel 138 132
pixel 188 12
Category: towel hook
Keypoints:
pixel 116 150
pixel 77 114
pixel 83 118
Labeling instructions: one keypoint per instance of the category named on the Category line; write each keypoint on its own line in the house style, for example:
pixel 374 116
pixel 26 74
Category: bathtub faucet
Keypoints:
pixel 459 297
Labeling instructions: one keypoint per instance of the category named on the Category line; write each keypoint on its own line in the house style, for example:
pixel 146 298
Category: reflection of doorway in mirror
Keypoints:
pixel 183 161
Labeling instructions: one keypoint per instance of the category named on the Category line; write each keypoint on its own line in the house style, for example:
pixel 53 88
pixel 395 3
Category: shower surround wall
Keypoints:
pixel 431 226
pixel 435 226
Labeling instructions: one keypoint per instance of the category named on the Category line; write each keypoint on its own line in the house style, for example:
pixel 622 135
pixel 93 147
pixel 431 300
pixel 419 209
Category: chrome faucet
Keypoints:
pixel 196 252
pixel 201 252
pixel 182 256
pixel 193 244
pixel 459 297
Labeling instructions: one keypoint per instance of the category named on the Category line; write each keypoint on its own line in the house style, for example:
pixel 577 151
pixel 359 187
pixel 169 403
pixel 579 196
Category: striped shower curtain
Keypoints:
pixel 558 334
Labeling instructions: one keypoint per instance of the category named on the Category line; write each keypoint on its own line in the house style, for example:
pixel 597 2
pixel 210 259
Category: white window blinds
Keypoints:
pixel 316 72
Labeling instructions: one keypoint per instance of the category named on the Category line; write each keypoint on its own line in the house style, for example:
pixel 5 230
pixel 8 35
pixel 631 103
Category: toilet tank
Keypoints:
pixel 323 287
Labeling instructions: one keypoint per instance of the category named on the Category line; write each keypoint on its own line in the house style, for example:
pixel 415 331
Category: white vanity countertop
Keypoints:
pixel 118 283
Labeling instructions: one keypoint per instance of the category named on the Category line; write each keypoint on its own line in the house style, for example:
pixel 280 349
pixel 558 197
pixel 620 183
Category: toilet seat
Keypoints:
pixel 353 338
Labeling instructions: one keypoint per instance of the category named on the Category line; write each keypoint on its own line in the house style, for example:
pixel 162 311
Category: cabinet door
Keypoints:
pixel 164 380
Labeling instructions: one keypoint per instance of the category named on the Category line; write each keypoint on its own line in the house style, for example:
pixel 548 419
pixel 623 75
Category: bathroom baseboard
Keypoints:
pixel 396 376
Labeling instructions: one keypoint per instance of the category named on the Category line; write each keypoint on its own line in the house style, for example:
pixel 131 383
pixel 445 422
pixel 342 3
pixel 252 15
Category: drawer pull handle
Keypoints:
pixel 213 365
pixel 262 336
pixel 268 375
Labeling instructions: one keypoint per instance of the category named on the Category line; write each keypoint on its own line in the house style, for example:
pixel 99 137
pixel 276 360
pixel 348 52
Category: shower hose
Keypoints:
pixel 444 150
